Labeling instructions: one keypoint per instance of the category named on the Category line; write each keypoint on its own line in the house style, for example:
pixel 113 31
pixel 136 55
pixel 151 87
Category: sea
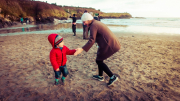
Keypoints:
pixel 145 25
pixel 139 25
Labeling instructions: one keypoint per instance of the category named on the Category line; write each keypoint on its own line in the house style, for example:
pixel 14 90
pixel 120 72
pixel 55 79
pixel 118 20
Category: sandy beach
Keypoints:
pixel 148 67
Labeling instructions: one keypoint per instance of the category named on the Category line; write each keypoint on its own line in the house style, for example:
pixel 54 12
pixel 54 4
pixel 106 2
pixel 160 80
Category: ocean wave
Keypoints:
pixel 155 22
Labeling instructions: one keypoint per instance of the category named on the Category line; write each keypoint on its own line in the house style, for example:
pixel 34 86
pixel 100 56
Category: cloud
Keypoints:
pixel 134 7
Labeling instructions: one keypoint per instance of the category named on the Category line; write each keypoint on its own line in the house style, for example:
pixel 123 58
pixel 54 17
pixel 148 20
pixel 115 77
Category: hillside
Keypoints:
pixel 80 10
pixel 35 9
pixel 15 9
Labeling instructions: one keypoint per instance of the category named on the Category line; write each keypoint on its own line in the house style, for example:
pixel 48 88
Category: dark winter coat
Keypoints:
pixel 106 40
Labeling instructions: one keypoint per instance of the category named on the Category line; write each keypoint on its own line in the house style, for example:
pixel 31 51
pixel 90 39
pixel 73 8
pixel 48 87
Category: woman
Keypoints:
pixel 107 42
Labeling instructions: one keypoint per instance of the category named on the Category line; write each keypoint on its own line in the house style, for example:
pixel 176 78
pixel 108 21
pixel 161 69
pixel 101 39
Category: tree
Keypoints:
pixel 54 4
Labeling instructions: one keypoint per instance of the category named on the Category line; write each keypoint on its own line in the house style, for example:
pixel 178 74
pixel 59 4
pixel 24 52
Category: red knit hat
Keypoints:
pixel 58 40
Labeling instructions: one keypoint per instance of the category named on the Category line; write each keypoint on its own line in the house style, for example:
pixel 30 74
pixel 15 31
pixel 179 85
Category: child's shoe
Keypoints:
pixel 63 82
pixel 56 83
pixel 98 77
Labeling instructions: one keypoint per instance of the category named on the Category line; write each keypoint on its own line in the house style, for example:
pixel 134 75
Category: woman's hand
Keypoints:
pixel 78 51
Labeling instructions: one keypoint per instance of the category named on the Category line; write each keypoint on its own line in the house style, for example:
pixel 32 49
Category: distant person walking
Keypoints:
pixel 96 16
pixel 27 20
pixel 107 42
pixel 99 17
pixel 21 20
pixel 74 24
pixel 85 29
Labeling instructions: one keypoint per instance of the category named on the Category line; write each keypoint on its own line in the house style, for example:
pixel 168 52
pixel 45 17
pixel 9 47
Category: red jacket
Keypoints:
pixel 58 56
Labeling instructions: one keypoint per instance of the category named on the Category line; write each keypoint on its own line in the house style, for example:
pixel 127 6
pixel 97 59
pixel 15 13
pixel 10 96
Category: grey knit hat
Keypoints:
pixel 58 40
pixel 86 16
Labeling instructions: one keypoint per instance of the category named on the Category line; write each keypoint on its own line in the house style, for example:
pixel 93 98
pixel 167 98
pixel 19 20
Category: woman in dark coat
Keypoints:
pixel 107 42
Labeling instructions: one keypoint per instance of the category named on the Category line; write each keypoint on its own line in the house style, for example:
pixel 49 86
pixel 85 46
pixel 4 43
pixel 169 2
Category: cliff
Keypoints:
pixel 80 10
pixel 36 9
pixel 42 11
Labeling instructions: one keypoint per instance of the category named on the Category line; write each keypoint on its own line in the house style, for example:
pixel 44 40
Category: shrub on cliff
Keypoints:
pixel 11 7
pixel 116 15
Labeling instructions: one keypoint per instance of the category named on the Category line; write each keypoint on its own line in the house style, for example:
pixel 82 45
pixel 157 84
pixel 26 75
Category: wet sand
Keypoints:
pixel 148 68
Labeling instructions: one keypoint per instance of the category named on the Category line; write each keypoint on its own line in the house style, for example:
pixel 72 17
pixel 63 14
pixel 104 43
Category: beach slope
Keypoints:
pixel 148 69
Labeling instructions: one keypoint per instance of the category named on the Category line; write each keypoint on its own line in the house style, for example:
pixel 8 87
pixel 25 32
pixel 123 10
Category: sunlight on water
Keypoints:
pixel 154 22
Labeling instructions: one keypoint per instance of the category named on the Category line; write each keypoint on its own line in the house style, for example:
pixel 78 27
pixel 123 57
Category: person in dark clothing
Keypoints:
pixel 74 24
pixel 85 29
pixel 26 19
pixel 96 17
pixel 108 45
pixel 21 20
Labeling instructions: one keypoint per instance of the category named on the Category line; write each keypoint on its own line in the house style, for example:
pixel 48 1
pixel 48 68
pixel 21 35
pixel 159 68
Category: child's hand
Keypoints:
pixel 57 69
pixel 78 51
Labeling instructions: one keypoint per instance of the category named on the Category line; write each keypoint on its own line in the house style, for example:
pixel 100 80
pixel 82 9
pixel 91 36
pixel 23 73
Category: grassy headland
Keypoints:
pixel 37 9
pixel 80 10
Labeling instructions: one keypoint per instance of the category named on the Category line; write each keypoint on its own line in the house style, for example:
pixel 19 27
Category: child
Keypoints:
pixel 58 57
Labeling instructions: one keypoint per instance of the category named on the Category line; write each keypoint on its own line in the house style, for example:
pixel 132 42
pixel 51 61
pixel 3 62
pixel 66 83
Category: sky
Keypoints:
pixel 137 8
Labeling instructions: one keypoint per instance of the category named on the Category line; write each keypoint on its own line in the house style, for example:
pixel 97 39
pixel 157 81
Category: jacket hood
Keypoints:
pixel 51 39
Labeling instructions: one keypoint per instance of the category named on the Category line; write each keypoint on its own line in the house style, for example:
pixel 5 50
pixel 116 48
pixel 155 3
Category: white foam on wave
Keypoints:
pixel 146 29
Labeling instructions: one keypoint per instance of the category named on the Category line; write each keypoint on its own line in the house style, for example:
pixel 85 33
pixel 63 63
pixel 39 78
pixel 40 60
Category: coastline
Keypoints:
pixel 147 67
pixel 167 36
pixel 170 37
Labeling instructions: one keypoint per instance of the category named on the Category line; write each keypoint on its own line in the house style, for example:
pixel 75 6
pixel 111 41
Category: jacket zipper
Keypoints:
pixel 62 58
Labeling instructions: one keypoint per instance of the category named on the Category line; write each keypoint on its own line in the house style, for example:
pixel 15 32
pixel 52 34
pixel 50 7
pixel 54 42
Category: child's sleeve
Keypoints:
pixel 53 60
pixel 70 52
